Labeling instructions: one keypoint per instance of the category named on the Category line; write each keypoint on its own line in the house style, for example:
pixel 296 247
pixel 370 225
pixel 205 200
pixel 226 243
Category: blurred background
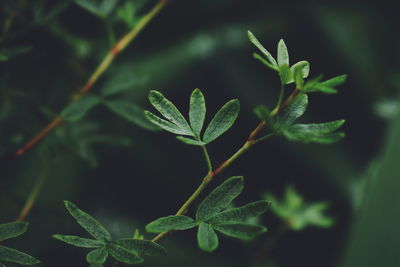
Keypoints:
pixel 126 176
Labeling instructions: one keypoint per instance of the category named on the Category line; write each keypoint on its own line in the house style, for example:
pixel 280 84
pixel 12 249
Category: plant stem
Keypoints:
pixel 32 197
pixel 207 157
pixel 280 98
pixel 115 50
pixel 251 140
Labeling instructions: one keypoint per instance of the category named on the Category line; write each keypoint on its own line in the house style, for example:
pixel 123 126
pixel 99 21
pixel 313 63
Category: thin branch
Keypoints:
pixel 108 59
pixel 30 202
pixel 251 140
pixel 207 157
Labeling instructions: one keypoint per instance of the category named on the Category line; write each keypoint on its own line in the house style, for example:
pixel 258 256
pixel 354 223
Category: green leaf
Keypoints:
pixel 220 198
pixel 97 256
pixel 12 255
pixel 240 230
pixel 264 114
pixel 197 111
pixel 91 225
pixel 206 237
pixel 173 222
pixel 254 40
pixel 283 55
pixel 302 68
pixel 131 112
pixel 163 124
pixel 222 121
pixel 141 247
pixel 123 255
pixel 335 81
pixel 240 214
pixel 292 112
pixel 78 108
pixel 2 265
pixel 101 9
pixel 79 241
pixel 190 141
pixel 13 229
pixel 315 132
pixel 169 111
pixel 265 62
pixel 285 74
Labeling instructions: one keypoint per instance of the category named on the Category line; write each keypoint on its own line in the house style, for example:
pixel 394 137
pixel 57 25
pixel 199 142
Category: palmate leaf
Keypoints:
pixel 207 239
pixel 197 111
pixel 79 241
pixel 91 225
pixel 240 214
pixel 141 247
pixel 13 229
pixel 240 230
pixel 97 256
pixel 173 222
pixel 123 255
pixel 131 112
pixel 220 198
pixel 77 109
pixel 13 255
pixel 169 111
pixel 222 121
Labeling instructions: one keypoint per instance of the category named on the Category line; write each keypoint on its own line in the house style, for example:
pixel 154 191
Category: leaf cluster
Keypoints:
pixel 213 215
pixel 298 214
pixel 11 230
pixel 177 124
pixel 126 250
pixel 284 123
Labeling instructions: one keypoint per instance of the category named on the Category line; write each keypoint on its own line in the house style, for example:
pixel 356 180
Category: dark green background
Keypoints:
pixel 202 44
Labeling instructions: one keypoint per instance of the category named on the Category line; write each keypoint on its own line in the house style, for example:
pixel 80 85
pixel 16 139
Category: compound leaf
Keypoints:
pixel 206 237
pixel 173 222
pixel 123 255
pixel 141 247
pixel 13 255
pixel 91 225
pixel 78 108
pixel 97 256
pixel 79 241
pixel 13 229
pixel 240 230
pixel 241 214
pixel 169 111
pixel 220 198
pixel 197 111
pixel 222 121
